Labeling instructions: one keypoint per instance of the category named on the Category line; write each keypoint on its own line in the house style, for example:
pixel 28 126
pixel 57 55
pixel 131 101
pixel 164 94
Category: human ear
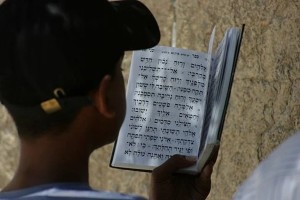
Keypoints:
pixel 102 98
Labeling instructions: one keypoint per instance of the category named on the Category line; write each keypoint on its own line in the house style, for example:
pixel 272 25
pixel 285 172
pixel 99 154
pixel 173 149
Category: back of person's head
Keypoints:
pixel 54 52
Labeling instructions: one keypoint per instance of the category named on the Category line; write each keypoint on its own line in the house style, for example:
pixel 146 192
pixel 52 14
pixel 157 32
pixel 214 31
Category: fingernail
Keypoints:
pixel 191 158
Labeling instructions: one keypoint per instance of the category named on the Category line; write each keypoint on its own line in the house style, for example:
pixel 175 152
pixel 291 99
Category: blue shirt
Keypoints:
pixel 65 191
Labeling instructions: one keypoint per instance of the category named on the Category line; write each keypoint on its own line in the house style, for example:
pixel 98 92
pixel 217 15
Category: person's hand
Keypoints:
pixel 168 185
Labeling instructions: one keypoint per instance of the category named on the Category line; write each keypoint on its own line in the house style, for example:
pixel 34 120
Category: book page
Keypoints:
pixel 225 77
pixel 216 77
pixel 165 105
pixel 221 79
pixel 222 73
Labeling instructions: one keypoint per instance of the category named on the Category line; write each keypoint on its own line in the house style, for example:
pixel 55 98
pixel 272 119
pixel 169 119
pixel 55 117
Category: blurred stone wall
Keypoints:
pixel 264 108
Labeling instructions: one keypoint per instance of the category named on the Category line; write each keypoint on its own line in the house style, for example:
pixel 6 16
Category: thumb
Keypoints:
pixel 176 162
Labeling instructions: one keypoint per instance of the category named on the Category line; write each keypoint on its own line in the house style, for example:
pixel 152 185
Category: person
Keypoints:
pixel 277 177
pixel 61 81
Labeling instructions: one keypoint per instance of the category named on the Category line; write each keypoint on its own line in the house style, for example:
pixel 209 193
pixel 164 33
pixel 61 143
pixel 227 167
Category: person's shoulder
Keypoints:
pixel 65 192
pixel 277 177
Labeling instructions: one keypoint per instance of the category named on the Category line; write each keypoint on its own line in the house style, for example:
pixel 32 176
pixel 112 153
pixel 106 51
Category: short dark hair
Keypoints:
pixel 65 45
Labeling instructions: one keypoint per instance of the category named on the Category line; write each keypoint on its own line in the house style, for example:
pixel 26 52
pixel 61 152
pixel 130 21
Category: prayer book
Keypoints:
pixel 176 104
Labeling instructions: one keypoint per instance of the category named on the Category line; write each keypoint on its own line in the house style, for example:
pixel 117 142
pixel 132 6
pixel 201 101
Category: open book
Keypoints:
pixel 176 104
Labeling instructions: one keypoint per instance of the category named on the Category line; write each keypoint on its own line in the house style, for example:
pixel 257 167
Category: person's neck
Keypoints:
pixel 51 159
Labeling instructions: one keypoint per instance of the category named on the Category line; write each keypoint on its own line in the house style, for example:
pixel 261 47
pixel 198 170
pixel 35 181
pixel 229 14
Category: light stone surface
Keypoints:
pixel 264 107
